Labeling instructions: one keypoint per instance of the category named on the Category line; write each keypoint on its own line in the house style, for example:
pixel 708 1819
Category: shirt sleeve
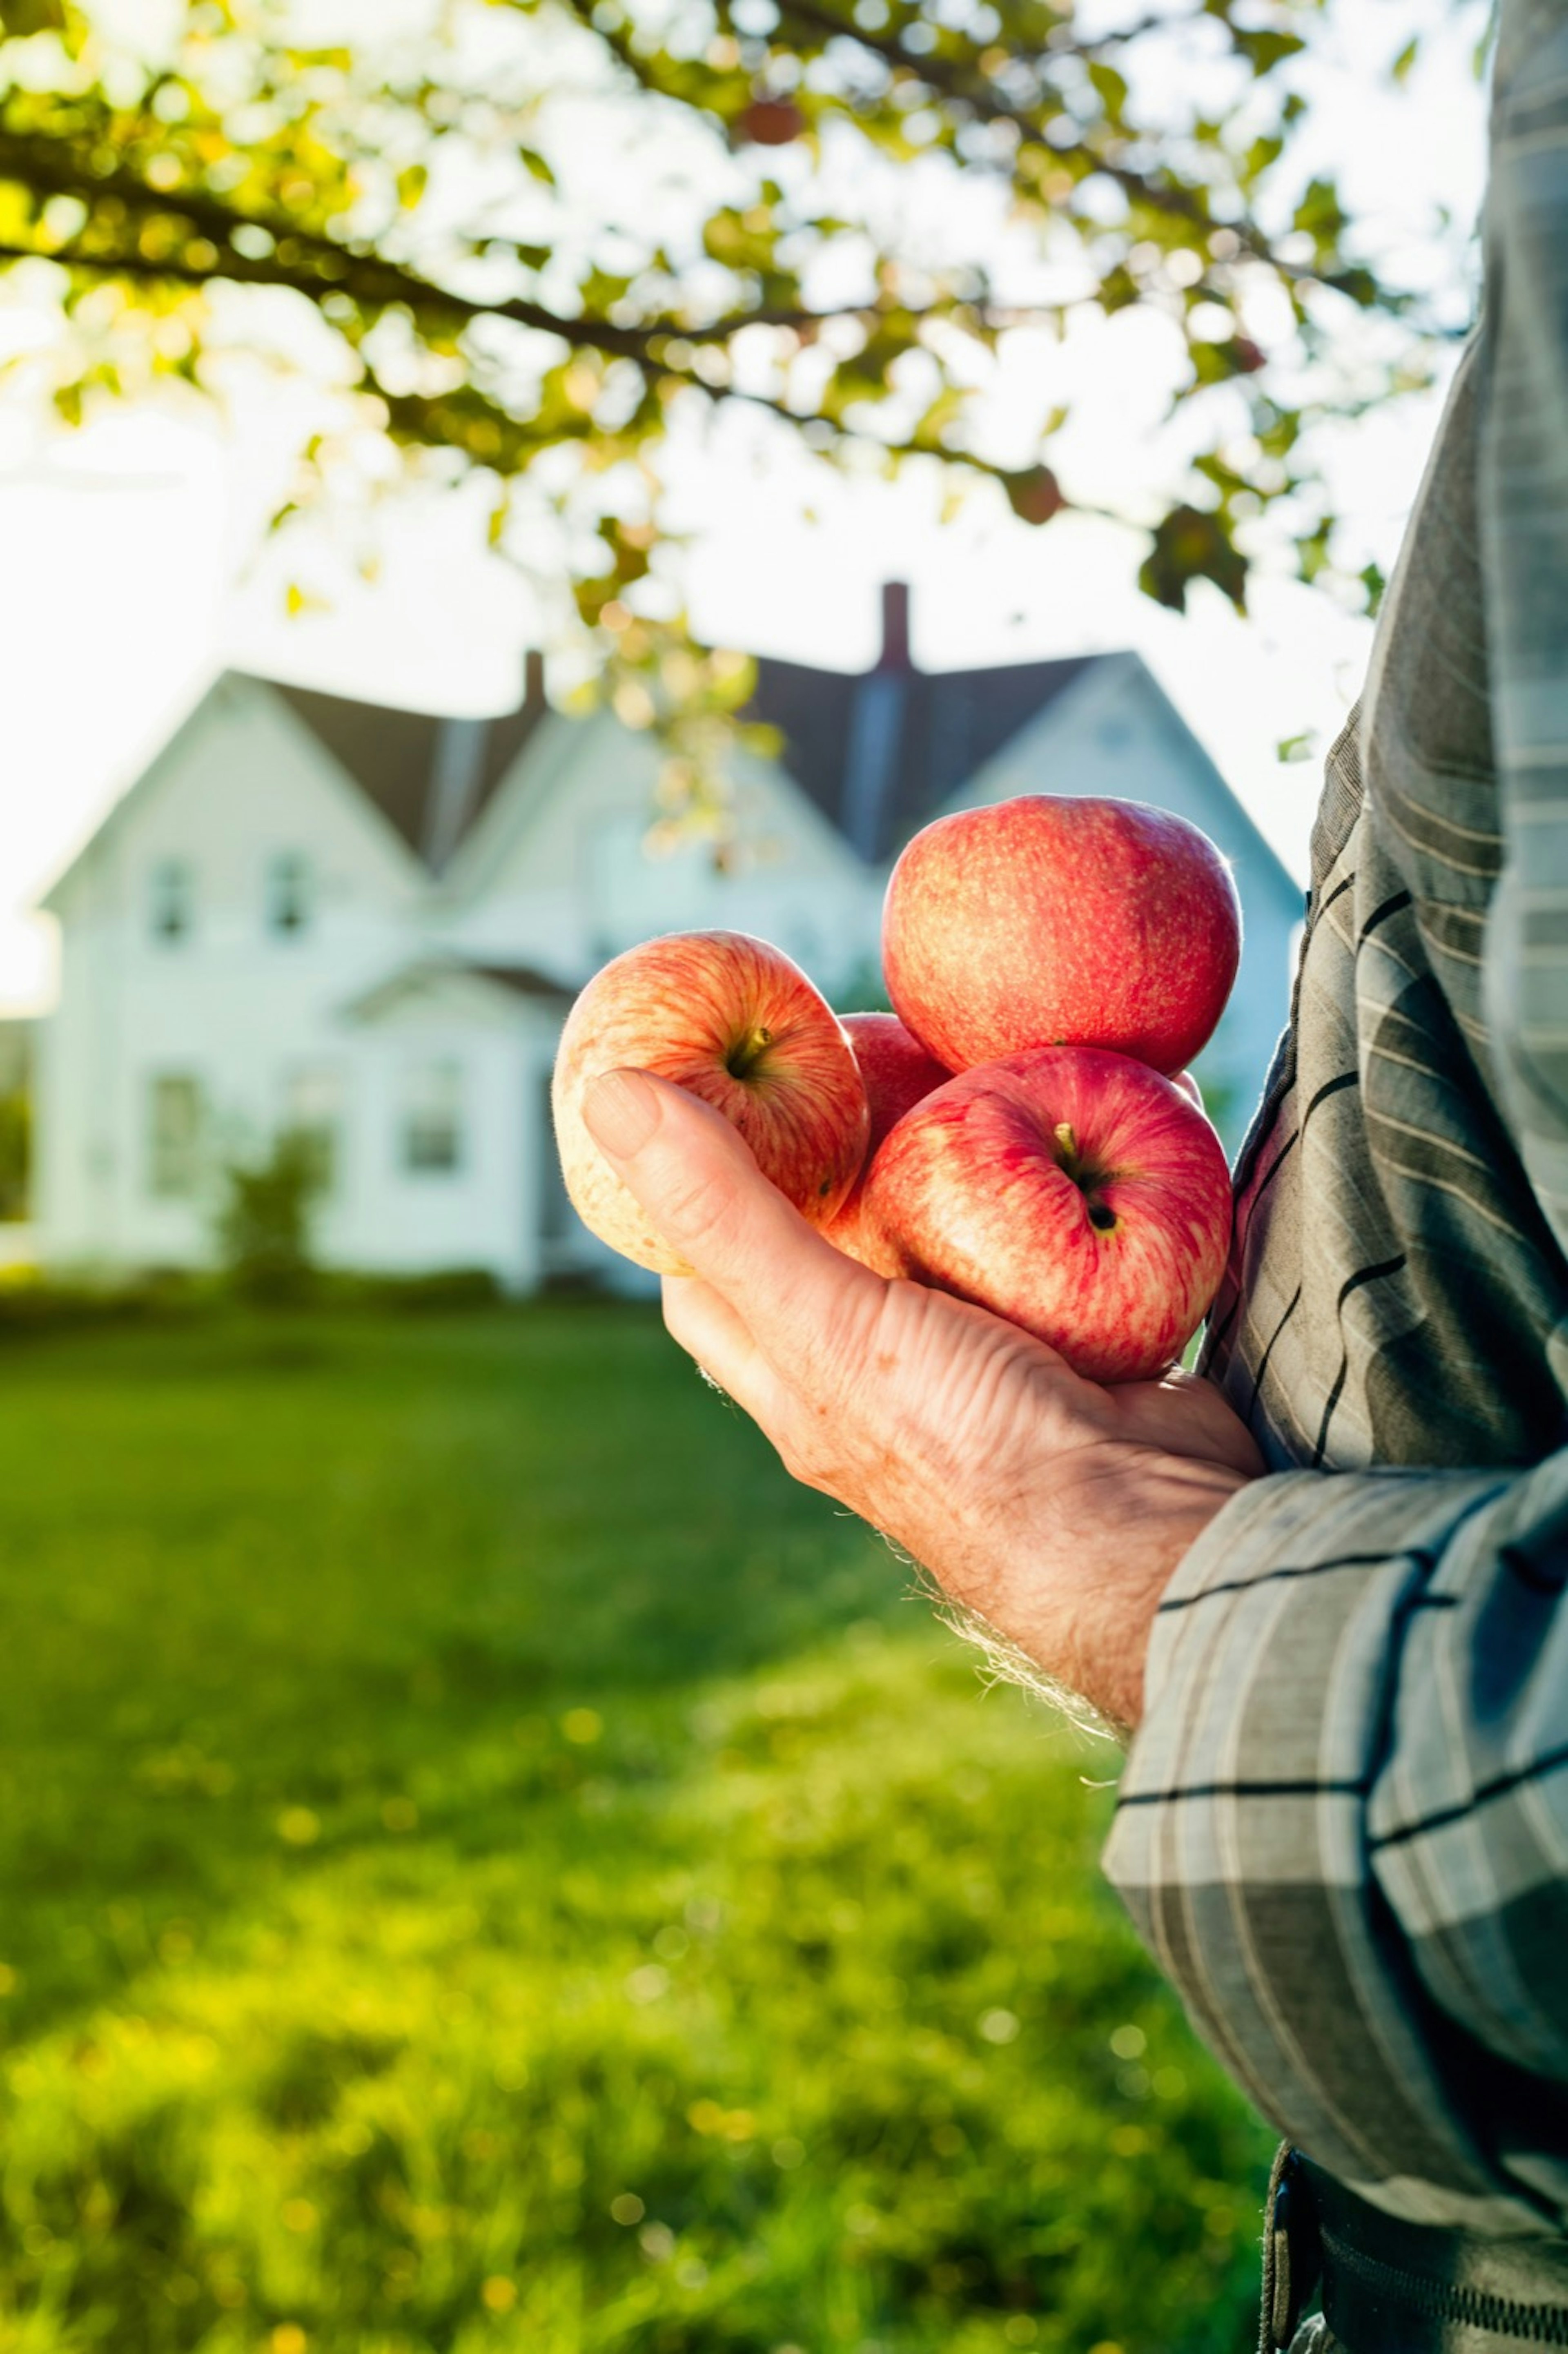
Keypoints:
pixel 1344 1827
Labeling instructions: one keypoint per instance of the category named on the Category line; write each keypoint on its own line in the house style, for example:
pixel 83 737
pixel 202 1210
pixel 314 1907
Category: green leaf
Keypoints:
pixel 1404 62
pixel 1312 549
pixel 19 19
pixel 1264 50
pixel 1191 545
pixel 1319 212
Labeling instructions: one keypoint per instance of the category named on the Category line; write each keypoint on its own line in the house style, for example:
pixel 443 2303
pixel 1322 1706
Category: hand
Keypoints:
pixel 1054 1509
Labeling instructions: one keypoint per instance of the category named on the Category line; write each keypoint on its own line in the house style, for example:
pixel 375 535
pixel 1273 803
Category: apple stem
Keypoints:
pixel 1065 1138
pixel 746 1051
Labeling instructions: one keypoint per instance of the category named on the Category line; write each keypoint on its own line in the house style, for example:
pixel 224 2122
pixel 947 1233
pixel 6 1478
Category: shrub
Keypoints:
pixel 264 1224
pixel 15 1152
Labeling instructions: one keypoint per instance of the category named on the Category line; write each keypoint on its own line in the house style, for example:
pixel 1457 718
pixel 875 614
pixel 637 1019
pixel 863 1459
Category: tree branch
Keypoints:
pixel 419 415
pixel 327 267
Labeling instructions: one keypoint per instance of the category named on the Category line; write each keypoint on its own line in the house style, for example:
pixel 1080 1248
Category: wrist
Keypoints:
pixel 1153 1518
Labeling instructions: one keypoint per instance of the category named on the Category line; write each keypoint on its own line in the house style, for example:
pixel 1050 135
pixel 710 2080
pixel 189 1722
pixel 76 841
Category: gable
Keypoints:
pixel 240 780
pixel 426 777
pixel 1119 735
pixel 189 732
pixel 880 751
pixel 430 775
pixel 574 814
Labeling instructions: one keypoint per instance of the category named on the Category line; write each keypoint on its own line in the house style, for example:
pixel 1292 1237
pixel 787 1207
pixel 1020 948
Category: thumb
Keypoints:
pixel 694 1176
pixel 690 1170
pixel 622 1111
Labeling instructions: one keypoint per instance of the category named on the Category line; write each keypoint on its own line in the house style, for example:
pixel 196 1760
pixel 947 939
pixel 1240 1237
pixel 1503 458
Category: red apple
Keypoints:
pixel 1076 1192
pixel 733 1021
pixel 1051 921
pixel 897 1072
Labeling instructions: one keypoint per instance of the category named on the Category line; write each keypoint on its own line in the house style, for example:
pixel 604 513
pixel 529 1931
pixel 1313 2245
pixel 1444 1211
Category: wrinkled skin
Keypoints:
pixel 1055 1508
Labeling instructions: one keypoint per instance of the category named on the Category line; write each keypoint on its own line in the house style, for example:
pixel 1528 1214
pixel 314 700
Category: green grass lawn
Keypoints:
pixel 486 1863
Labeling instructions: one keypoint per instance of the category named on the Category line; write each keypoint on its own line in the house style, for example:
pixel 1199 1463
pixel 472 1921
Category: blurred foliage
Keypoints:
pixel 264 1220
pixel 16 1152
pixel 488 1864
pixel 865 991
pixel 529 235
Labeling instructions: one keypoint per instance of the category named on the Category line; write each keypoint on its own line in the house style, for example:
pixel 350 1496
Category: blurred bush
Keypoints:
pixel 264 1221
pixel 15 1152
pixel 35 1303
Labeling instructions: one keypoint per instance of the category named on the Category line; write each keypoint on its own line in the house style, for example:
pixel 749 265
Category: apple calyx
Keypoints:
pixel 747 1051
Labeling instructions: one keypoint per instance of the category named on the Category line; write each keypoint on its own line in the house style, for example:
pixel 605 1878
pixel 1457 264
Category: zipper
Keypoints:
pixel 1533 2324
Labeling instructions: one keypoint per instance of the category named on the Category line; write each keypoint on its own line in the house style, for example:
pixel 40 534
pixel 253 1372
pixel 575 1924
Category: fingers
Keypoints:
pixel 803 1304
pixel 716 1334
pixel 815 1441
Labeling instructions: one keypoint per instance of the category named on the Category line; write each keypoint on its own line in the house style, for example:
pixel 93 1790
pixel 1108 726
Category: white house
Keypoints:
pixel 367 924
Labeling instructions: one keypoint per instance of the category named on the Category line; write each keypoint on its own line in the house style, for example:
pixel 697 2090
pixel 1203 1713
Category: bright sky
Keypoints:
pixel 134 564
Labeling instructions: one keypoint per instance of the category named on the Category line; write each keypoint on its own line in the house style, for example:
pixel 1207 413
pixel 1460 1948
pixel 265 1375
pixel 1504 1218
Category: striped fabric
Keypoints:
pixel 1343 1826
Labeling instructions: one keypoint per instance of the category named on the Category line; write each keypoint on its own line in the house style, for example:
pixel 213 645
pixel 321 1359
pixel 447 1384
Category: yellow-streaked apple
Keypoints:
pixel 734 1021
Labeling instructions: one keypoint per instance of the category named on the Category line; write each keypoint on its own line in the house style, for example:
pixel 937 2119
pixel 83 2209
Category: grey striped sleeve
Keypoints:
pixel 1524 541
pixel 1344 1827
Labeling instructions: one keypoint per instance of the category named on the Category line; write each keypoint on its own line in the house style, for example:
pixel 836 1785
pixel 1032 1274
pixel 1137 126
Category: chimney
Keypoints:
pixel 532 680
pixel 895 653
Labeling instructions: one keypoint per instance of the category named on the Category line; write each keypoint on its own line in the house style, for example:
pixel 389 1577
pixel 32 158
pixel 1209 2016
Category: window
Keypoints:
pixel 313 1112
pixel 289 893
pixel 171 908
pixel 175 1135
pixel 432 1137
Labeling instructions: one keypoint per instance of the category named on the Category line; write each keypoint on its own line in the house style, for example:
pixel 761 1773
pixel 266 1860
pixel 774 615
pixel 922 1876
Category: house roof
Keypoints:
pixel 422 972
pixel 430 777
pixel 524 980
pixel 879 751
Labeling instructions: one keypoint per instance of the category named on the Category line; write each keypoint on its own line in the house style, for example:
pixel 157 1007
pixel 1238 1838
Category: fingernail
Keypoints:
pixel 622 1111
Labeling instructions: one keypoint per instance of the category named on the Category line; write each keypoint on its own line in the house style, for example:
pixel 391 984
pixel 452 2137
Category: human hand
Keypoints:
pixel 1054 1508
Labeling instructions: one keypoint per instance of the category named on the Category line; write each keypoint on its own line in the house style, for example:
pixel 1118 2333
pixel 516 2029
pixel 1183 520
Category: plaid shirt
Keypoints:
pixel 1344 1827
